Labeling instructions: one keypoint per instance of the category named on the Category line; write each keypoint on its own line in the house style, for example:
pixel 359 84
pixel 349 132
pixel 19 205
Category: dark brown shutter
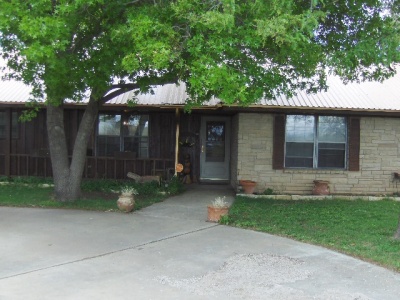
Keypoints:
pixel 278 152
pixel 354 143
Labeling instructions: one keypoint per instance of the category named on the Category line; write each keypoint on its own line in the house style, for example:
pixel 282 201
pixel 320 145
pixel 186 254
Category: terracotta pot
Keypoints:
pixel 215 213
pixel 321 187
pixel 126 203
pixel 248 186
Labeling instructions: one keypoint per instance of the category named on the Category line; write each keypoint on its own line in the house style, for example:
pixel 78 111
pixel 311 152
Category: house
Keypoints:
pixel 348 135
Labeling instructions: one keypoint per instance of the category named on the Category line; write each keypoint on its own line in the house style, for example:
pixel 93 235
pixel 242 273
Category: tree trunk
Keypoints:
pixel 397 234
pixel 68 176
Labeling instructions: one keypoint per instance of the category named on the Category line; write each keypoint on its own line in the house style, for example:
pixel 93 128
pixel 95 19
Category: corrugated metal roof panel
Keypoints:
pixel 360 96
pixel 169 94
pixel 14 92
pixel 353 96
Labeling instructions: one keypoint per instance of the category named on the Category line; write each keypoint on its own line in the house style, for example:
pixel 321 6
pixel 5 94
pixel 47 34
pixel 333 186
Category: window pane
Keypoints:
pixel 299 155
pixel 107 145
pixel 137 125
pixel 138 146
pixel 299 141
pixel 299 149
pixel 110 125
pixel 131 144
pixel 299 128
pixel 144 147
pixel 331 155
pixel 215 142
pixel 332 129
pixel 298 162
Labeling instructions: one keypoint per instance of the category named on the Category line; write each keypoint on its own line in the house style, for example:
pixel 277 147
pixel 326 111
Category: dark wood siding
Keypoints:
pixel 30 154
pixel 162 135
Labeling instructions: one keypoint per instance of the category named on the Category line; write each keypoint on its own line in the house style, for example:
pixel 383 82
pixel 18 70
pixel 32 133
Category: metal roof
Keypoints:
pixel 14 92
pixel 370 96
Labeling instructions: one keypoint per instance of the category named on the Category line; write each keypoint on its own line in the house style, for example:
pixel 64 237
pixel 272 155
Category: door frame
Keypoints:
pixel 227 163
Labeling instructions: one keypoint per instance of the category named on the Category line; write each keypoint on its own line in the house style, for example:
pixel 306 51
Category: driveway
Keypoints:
pixel 168 251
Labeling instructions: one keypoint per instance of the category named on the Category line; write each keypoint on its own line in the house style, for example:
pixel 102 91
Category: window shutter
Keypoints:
pixel 354 144
pixel 278 152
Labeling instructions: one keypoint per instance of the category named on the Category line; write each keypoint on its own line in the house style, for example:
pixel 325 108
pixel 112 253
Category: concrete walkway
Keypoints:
pixel 168 251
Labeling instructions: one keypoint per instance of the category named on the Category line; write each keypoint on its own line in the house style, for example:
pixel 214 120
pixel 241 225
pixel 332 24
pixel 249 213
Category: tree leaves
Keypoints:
pixel 236 50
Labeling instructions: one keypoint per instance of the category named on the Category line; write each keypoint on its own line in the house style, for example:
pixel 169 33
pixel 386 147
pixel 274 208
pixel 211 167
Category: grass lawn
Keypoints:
pixel 96 195
pixel 363 229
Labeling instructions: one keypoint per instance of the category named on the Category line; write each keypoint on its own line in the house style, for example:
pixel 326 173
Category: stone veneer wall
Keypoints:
pixel 379 158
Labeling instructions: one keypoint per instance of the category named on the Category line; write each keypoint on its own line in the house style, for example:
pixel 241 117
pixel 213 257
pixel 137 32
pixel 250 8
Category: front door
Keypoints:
pixel 215 149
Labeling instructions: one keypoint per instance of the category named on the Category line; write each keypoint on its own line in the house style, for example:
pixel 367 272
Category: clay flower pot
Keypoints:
pixel 248 186
pixel 321 187
pixel 126 203
pixel 218 208
pixel 215 213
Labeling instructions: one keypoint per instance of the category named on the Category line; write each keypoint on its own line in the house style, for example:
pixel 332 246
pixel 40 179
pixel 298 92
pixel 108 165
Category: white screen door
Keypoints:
pixel 215 148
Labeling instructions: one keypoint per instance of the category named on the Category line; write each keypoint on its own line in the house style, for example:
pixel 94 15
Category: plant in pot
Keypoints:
pixel 218 208
pixel 126 200
pixel 248 186
pixel 321 187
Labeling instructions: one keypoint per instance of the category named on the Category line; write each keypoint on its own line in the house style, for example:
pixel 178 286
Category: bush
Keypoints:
pixel 4 179
pixel 102 185
pixel 31 180
pixel 269 191
pixel 148 188
pixel 175 186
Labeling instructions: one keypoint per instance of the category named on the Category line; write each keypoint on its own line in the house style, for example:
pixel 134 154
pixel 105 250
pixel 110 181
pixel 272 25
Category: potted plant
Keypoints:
pixel 126 200
pixel 321 187
pixel 248 186
pixel 218 208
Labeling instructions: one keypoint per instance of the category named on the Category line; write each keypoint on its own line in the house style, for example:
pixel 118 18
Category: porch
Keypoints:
pixel 95 166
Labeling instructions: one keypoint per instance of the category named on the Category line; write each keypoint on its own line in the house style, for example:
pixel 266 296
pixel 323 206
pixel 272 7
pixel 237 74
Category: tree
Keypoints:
pixel 236 50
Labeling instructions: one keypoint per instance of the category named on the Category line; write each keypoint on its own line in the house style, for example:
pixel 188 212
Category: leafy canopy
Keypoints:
pixel 236 50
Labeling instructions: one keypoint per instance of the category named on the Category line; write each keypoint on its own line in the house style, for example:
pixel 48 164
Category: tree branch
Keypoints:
pixel 149 81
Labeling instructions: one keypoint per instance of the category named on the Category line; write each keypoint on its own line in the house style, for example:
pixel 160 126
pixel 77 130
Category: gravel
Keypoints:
pixel 244 276
pixel 255 276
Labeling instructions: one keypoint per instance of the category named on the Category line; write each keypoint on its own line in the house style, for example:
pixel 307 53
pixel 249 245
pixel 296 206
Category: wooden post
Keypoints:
pixel 177 138
pixel 7 152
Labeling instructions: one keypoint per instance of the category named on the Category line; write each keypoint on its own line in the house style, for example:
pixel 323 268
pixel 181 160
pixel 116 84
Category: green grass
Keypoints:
pixel 99 195
pixel 362 229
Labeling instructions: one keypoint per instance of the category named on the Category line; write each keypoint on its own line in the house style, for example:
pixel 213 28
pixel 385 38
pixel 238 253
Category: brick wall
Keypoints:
pixel 379 158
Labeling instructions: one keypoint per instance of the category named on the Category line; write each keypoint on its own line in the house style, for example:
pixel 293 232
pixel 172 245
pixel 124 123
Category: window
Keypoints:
pixel 136 135
pixel 315 141
pixel 14 125
pixel 118 133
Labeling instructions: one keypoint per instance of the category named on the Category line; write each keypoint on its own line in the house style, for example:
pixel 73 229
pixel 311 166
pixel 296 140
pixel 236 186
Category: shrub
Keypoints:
pixel 175 186
pixel 148 188
pixel 269 191
pixel 31 180
pixel 102 185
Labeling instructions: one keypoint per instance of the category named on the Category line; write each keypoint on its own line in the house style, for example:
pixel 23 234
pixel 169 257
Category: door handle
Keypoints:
pixel 202 148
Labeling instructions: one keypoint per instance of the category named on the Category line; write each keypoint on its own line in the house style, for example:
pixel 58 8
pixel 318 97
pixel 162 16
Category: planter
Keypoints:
pixel 126 203
pixel 248 186
pixel 321 187
pixel 215 213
